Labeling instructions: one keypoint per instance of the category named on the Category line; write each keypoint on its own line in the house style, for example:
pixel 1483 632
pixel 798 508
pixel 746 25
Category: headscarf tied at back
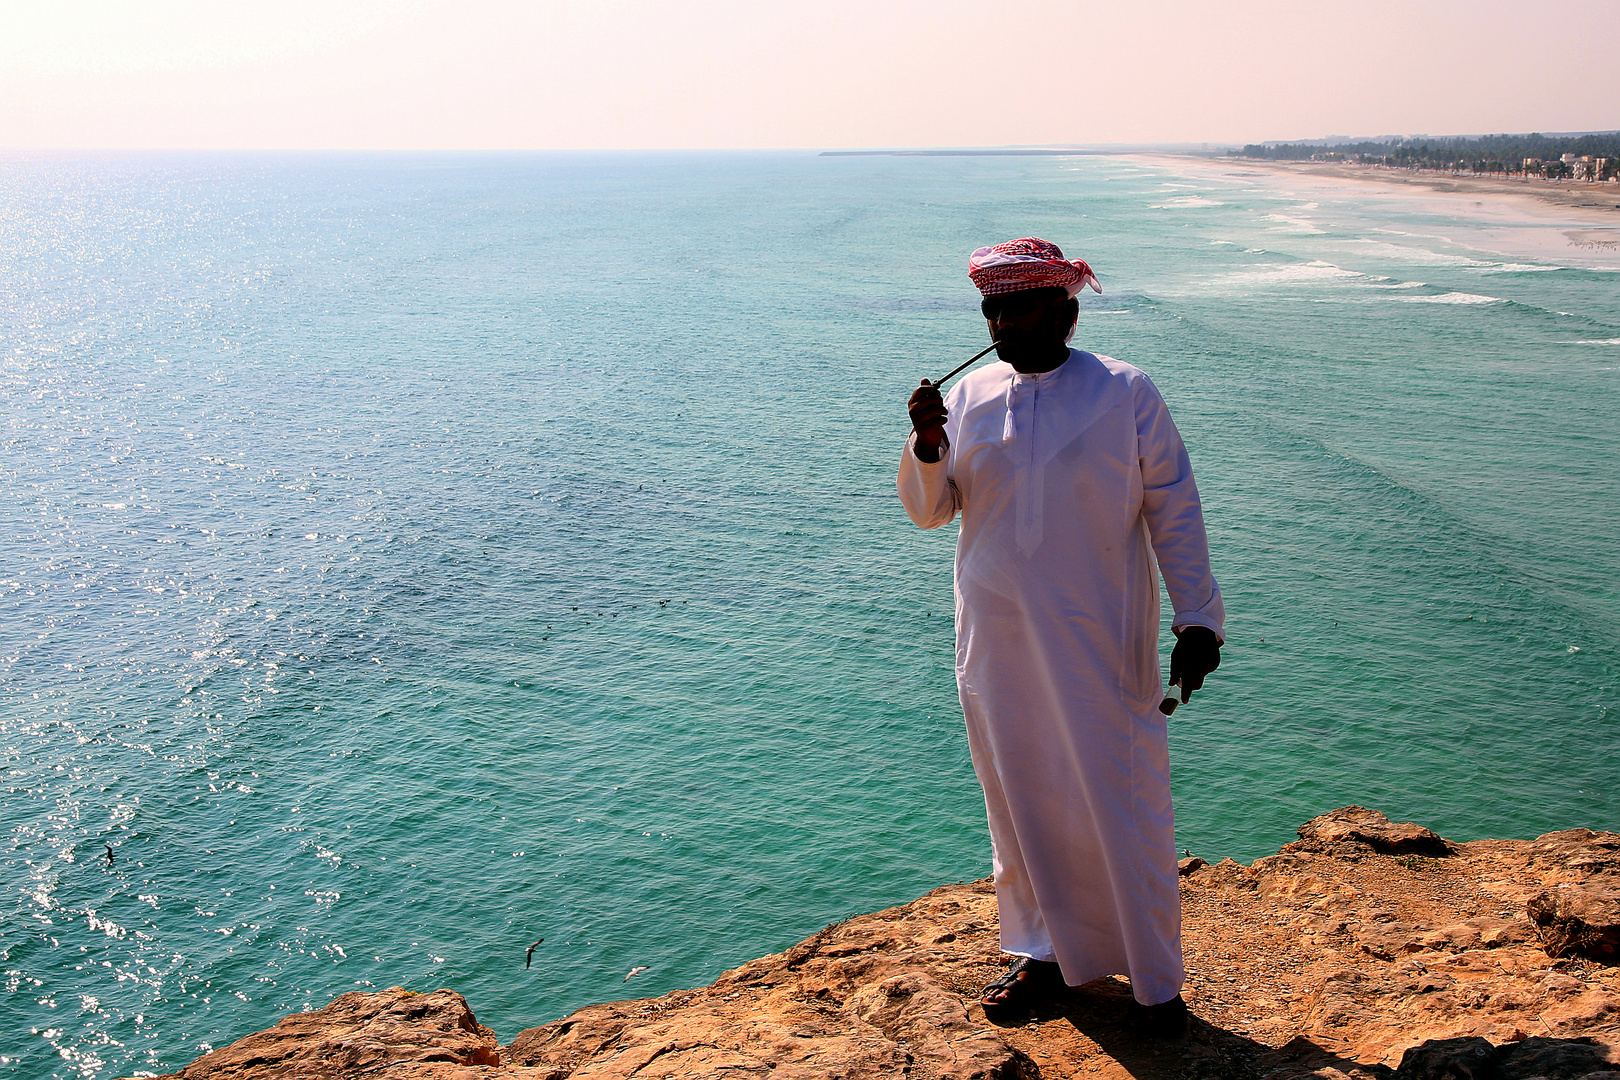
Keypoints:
pixel 1028 263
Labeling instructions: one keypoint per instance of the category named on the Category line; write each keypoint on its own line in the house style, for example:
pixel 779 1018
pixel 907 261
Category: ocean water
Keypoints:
pixel 404 558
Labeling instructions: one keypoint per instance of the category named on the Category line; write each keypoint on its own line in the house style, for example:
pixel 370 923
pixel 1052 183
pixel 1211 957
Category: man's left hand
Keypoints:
pixel 1197 653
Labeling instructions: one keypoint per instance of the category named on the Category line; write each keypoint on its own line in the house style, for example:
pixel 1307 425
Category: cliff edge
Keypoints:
pixel 1366 949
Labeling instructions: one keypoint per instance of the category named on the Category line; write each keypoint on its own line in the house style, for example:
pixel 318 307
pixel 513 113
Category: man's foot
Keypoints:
pixel 1168 1021
pixel 1027 983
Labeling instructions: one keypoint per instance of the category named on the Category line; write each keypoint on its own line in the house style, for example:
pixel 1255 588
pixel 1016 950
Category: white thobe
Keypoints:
pixel 1075 492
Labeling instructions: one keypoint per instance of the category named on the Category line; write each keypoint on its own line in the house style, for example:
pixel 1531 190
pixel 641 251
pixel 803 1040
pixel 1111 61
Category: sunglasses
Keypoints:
pixel 1014 305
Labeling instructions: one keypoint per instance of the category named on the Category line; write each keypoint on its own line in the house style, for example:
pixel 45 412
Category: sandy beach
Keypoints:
pixel 1571 222
pixel 1599 201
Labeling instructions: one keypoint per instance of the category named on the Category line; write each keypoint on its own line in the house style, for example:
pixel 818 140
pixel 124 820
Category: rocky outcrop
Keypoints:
pixel 1356 828
pixel 1367 949
pixel 884 995
pixel 1579 920
pixel 394 1033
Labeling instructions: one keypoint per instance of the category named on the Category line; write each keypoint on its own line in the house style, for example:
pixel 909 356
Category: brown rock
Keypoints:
pixel 1386 939
pixel 357 1034
pixel 1450 1059
pixel 1582 852
pixel 1579 920
pixel 933 1023
pixel 1528 1059
pixel 859 999
pixel 1480 932
pixel 1190 865
pixel 1555 1059
pixel 1356 827
pixel 1226 874
pixel 1517 870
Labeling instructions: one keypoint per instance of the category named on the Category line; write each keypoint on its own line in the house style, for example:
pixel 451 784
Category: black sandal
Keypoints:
pixel 1042 979
pixel 1169 1021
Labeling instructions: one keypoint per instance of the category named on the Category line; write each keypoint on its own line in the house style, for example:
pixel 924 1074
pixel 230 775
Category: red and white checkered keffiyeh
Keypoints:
pixel 1027 263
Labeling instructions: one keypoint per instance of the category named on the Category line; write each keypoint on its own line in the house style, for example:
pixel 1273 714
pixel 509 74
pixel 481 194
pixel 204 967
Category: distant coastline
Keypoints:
pixel 1564 192
pixel 1515 180
pixel 1596 200
pixel 1578 173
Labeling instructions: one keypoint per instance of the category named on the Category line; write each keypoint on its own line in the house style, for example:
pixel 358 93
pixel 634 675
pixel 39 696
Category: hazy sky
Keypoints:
pixel 759 73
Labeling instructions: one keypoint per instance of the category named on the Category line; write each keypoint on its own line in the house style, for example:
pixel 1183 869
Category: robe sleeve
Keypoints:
pixel 926 489
pixel 1174 516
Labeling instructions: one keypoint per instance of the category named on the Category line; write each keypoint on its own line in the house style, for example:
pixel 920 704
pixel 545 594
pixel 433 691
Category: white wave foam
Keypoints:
pixel 1455 298
pixel 1181 202
pixel 1289 273
pixel 1419 255
pixel 1518 268
pixel 1402 232
pixel 1593 341
pixel 1298 225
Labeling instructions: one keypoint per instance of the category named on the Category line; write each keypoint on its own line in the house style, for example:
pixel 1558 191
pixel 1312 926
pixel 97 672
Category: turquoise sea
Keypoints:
pixel 407 557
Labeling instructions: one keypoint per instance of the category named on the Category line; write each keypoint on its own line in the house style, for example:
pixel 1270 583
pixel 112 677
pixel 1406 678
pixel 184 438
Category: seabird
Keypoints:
pixel 109 855
pixel 528 957
pixel 633 973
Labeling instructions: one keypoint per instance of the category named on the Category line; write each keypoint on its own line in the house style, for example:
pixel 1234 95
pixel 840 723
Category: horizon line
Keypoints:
pixel 1205 146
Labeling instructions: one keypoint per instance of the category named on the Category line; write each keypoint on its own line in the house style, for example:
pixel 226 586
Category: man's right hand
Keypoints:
pixel 928 417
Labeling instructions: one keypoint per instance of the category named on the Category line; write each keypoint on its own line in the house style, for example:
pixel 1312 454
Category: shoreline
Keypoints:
pixel 1597 200
pixel 1566 223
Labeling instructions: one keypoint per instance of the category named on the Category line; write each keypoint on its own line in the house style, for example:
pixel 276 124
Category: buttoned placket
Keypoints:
pixel 1032 487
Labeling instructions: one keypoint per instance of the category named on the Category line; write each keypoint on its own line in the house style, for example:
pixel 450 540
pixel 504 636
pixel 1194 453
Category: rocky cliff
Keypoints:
pixel 1366 949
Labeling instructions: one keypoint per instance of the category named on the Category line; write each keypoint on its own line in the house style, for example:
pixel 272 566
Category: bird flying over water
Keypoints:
pixel 633 973
pixel 528 957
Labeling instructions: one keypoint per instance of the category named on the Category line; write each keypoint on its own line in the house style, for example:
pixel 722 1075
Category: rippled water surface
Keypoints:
pixel 407 558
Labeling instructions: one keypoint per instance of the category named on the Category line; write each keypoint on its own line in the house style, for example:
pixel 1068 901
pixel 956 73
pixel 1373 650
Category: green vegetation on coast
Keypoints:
pixel 1591 156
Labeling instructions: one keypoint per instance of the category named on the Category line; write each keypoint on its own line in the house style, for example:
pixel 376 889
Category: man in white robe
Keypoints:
pixel 1075 494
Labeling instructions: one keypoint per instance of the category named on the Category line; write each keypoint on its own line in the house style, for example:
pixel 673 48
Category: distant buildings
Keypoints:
pixel 1572 167
pixel 1586 167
